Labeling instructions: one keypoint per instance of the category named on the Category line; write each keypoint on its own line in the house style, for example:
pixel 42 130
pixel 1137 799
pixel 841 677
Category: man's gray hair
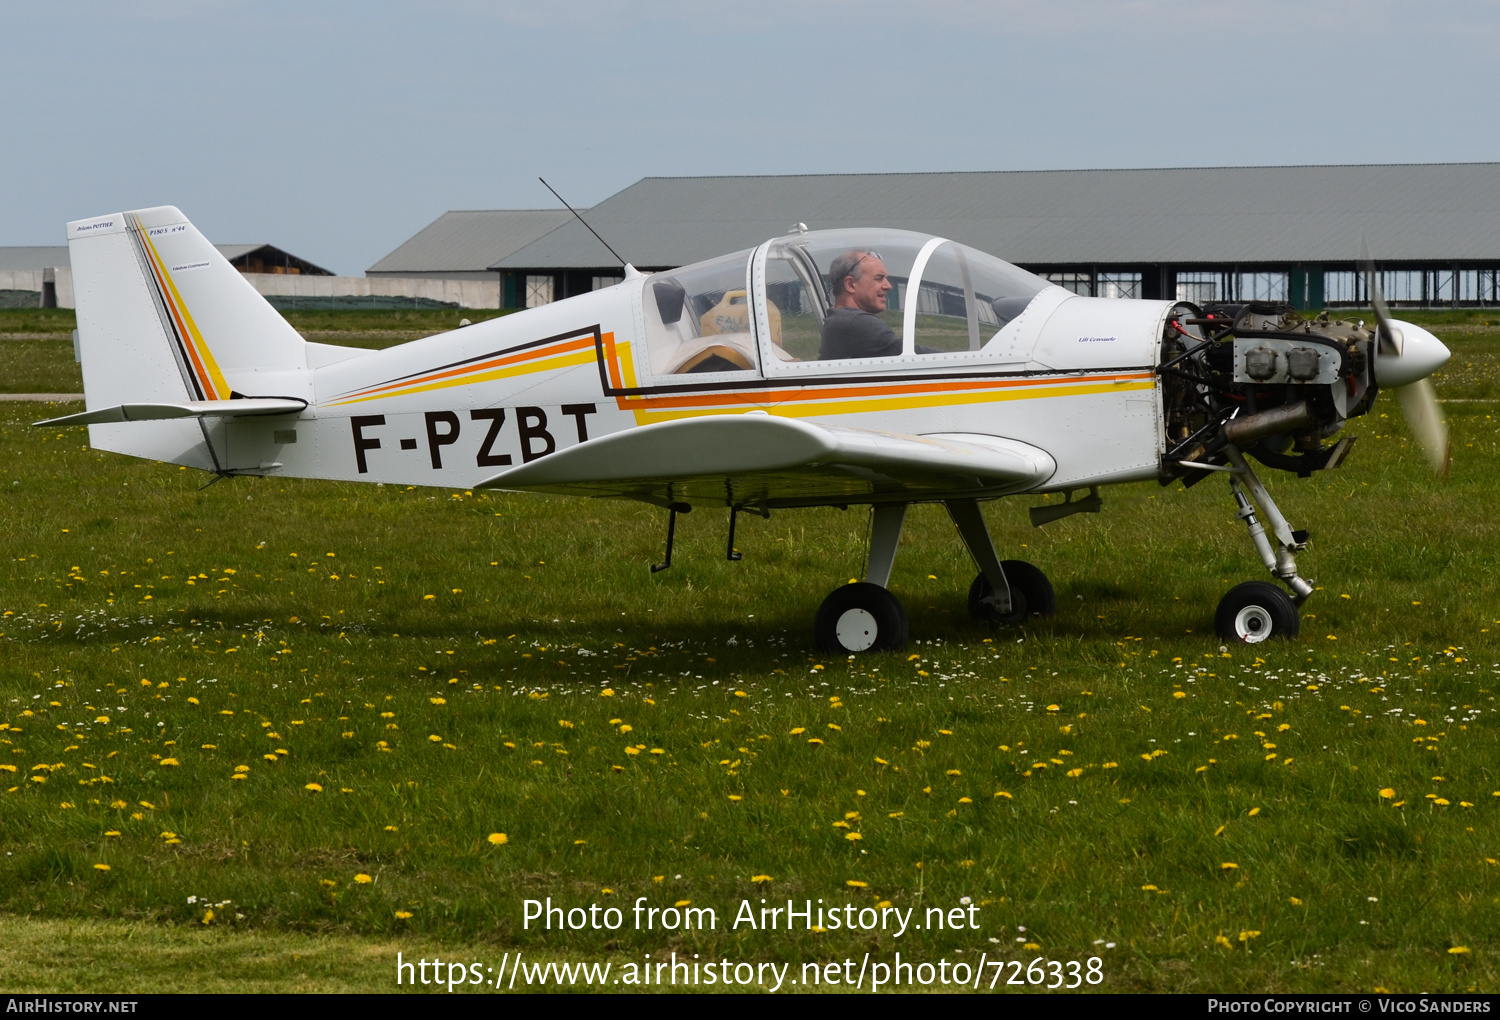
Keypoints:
pixel 847 264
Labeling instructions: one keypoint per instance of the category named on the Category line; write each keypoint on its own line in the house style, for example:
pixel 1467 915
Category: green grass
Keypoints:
pixel 39 366
pixel 538 607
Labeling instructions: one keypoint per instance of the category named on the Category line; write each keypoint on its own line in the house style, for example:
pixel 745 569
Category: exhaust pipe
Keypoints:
pixel 1243 432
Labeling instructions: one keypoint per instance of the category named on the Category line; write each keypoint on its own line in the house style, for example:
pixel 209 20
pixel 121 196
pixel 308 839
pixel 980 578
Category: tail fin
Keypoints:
pixel 164 318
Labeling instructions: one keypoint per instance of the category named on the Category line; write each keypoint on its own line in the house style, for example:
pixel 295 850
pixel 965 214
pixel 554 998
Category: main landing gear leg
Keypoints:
pixel 864 616
pixel 1257 610
pixel 1004 592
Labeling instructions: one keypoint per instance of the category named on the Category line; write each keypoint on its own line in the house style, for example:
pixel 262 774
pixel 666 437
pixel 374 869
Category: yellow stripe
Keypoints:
pixel 585 357
pixel 856 406
pixel 197 340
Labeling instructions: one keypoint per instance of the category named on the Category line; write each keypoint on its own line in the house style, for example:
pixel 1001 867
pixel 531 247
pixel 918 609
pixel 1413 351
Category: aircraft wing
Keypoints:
pixel 760 460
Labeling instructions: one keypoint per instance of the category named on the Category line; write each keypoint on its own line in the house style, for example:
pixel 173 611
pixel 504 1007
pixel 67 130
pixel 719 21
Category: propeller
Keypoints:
pixel 1405 358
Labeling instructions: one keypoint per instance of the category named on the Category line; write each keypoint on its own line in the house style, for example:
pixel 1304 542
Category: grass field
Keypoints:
pixel 239 700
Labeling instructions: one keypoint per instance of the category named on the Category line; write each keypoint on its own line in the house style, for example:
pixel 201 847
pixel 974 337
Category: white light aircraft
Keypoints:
pixel 924 371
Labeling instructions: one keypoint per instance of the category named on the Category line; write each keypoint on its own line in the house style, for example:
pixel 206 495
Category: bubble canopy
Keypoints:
pixel 897 295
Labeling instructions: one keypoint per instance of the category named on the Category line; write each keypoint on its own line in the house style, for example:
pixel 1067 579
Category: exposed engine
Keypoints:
pixel 1260 377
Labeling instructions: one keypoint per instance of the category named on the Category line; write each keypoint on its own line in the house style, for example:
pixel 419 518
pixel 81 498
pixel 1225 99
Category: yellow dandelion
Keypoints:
pixel 853 835
pixel 799 729
pixel 1228 865
pixel 855 883
pixel 363 879
pixel 811 740
pixel 438 701
pixel 953 772
pixel 1455 950
pixel 735 796
pixel 314 787
pixel 101 867
pixel 112 832
pixel 402 915
pixel 1246 936
pixel 497 838
pixel 1294 901
pixel 1387 793
pixel 1254 811
pixel 760 878
pixel 208 916
pixel 1221 940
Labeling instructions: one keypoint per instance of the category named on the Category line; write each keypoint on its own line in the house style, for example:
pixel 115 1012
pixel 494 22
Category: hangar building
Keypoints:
pixel 1220 233
pixel 45 269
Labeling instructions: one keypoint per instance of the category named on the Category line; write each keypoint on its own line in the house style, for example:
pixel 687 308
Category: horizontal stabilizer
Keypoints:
pixel 757 459
pixel 243 407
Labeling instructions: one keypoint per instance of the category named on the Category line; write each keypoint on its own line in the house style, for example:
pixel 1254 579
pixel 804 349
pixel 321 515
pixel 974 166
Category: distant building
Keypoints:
pixel 1289 233
pixel 46 270
pixel 267 258
pixel 465 245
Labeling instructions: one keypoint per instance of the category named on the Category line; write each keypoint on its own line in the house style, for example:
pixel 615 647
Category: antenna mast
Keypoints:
pixel 585 222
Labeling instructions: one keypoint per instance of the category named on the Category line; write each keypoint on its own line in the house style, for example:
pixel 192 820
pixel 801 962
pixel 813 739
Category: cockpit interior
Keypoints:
pixel 900 294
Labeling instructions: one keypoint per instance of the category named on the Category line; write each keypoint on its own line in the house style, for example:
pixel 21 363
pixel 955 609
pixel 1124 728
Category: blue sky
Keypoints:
pixel 337 130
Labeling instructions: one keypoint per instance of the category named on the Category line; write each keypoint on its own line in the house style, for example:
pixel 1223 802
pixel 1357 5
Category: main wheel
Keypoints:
pixel 1030 593
pixel 860 617
pixel 1256 611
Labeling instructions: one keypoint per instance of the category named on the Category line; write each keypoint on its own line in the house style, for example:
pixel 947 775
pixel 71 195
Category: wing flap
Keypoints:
pixel 236 408
pixel 757 459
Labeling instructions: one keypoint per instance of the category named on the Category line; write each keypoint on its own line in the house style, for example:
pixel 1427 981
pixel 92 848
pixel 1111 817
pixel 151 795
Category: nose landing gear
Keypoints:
pixel 1257 611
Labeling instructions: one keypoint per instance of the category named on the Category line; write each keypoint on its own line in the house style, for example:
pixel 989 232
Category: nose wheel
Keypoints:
pixel 861 617
pixel 1256 611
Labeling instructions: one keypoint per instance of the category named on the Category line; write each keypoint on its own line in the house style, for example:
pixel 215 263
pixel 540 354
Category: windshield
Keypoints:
pixel 698 318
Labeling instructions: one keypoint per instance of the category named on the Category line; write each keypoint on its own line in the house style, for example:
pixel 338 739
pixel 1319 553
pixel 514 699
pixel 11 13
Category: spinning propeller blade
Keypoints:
pixel 1408 367
pixel 1388 337
pixel 1419 404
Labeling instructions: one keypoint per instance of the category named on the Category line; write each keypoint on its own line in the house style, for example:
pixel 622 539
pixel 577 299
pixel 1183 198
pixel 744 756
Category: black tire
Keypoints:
pixel 860 617
pixel 1256 611
pixel 1031 594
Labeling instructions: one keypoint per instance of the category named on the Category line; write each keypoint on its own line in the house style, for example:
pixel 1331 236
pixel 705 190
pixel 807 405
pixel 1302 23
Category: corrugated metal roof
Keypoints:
pixel 470 240
pixel 1413 212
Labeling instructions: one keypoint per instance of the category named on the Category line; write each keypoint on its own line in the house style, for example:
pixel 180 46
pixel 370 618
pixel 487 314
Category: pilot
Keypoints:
pixel 853 329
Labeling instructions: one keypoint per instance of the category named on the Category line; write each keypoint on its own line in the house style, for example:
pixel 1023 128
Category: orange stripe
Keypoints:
pixel 159 271
pixel 805 394
pixel 514 359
